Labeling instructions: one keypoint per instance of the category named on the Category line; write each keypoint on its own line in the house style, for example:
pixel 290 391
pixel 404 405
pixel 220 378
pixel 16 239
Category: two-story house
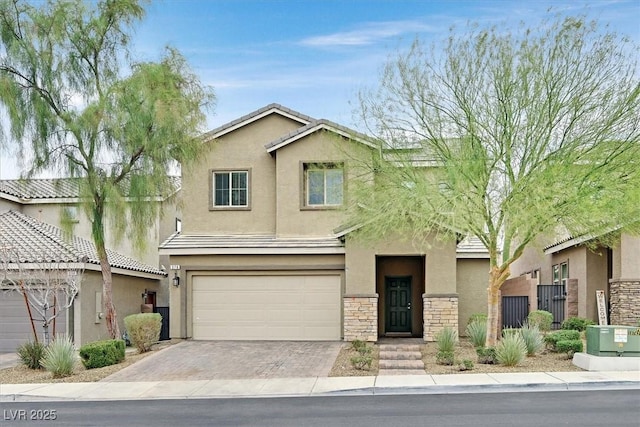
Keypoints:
pixel 263 253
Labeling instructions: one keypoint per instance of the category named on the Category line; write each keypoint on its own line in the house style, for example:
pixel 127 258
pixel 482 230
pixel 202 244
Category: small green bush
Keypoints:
pixel 60 357
pixel 446 339
pixel 486 356
pixel 30 354
pixel 477 332
pixel 532 338
pixel 466 365
pixel 102 353
pixel 577 323
pixel 511 350
pixel 569 346
pixel 542 319
pixel 477 317
pixel 446 358
pixel 143 330
pixel 562 335
pixel 362 362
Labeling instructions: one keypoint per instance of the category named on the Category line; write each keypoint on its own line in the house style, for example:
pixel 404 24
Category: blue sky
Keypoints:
pixel 313 56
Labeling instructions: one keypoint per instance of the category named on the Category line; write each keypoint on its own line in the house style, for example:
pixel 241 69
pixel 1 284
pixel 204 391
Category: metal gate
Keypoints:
pixel 551 298
pixel 514 311
pixel 164 330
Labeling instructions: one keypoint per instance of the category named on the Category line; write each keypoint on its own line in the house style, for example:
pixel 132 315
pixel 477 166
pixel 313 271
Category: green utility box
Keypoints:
pixel 613 341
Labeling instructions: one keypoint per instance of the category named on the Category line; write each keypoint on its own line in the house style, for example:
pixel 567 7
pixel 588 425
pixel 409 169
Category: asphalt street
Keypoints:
pixel 573 408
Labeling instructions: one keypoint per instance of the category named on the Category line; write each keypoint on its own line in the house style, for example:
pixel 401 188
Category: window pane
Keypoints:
pixel 334 186
pixel 564 271
pixel 315 187
pixel 239 189
pixel 221 189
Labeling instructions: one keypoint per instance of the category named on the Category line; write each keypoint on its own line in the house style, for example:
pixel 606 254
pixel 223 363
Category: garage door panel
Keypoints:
pixel 266 307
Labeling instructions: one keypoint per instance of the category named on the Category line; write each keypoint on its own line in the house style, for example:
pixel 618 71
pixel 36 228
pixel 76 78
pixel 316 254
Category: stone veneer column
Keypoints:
pixel 440 310
pixel 624 299
pixel 361 317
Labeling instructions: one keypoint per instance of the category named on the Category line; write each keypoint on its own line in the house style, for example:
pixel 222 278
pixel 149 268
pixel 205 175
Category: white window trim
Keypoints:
pixel 212 189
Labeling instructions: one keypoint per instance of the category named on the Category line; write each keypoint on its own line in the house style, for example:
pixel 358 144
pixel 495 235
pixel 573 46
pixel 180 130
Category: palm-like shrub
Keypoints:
pixel 446 341
pixel 30 354
pixel 477 332
pixel 532 338
pixel 511 350
pixel 60 357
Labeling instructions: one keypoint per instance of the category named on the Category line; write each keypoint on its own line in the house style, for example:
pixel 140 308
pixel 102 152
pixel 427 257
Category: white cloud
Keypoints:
pixel 368 34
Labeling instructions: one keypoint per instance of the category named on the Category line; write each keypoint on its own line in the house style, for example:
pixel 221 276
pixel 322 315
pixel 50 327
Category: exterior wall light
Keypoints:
pixel 176 280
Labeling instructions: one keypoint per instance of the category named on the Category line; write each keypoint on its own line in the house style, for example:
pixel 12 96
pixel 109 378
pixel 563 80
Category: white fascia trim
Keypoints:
pixel 66 200
pixel 472 255
pixel 253 119
pixel 252 251
pixel 315 129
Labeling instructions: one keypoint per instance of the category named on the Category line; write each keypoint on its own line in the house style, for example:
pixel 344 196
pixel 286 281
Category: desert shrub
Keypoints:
pixel 60 357
pixel 569 346
pixel 510 332
pixel 446 358
pixel 102 353
pixel 30 354
pixel 511 350
pixel 562 335
pixel 532 338
pixel 477 332
pixel 486 356
pixel 446 339
pixel 477 317
pixel 466 365
pixel 143 330
pixel 576 323
pixel 540 318
pixel 359 345
pixel 362 361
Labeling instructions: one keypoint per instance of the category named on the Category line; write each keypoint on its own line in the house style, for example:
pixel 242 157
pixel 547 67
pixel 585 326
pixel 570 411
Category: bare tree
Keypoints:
pixel 48 283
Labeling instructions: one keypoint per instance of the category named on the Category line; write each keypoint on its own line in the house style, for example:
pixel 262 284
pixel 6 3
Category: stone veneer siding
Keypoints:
pixel 439 311
pixel 361 317
pixel 624 298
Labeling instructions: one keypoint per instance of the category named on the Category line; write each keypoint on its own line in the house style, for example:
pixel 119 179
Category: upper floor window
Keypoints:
pixel 231 189
pixel 70 214
pixel 324 184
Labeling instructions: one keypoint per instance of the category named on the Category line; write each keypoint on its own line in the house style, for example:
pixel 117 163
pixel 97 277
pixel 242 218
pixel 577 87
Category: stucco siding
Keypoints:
pixel 242 149
pixel 472 276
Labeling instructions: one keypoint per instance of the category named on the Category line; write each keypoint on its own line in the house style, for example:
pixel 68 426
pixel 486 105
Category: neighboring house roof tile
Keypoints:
pixel 57 188
pixel 180 243
pixel 303 119
pixel 315 126
pixel 34 239
pixel 471 247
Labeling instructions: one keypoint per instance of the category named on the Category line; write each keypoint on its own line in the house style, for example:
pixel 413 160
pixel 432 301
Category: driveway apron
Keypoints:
pixel 210 360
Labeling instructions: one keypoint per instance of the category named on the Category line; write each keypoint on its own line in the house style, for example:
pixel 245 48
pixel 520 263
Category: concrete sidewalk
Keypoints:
pixel 273 387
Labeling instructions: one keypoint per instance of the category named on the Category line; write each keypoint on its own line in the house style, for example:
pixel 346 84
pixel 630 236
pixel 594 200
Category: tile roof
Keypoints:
pixel 55 188
pixel 33 240
pixel 471 247
pixel 315 126
pixel 255 115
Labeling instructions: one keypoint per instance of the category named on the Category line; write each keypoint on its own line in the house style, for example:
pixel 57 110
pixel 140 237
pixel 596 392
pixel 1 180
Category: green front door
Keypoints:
pixel 398 304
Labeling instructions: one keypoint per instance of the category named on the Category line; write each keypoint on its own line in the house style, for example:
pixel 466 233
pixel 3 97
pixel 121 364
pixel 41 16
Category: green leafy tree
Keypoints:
pixel 508 135
pixel 79 105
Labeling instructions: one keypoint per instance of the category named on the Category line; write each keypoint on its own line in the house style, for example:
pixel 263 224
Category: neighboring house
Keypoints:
pixel 264 255
pixel 55 201
pixel 133 281
pixel 578 270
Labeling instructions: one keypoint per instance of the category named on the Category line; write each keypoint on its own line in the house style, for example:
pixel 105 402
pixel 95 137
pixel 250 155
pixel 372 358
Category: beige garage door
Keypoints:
pixel 15 327
pixel 266 307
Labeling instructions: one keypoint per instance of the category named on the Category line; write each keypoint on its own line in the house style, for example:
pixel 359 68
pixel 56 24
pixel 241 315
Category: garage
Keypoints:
pixel 15 327
pixel 266 307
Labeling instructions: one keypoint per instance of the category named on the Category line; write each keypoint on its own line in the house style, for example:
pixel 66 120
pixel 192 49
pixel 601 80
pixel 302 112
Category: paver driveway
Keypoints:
pixel 209 360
